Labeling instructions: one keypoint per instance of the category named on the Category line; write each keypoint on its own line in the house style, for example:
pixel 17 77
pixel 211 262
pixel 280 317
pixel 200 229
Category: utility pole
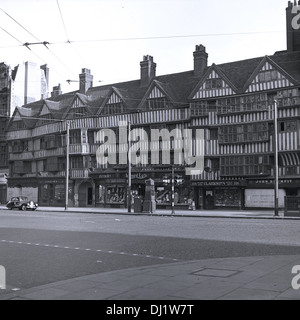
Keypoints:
pixel 276 173
pixel 67 164
pixel 173 190
pixel 129 171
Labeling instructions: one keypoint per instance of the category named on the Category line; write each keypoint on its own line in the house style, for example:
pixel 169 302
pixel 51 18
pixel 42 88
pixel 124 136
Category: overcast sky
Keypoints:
pixel 110 37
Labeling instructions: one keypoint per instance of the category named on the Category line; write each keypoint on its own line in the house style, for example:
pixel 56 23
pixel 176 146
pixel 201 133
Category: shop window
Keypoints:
pixel 100 194
pixel 115 195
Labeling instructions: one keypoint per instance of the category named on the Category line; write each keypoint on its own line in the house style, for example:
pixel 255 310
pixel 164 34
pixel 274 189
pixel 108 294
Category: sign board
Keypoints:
pixel 263 198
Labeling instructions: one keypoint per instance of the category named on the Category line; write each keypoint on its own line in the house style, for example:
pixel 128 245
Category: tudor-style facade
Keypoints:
pixel 233 103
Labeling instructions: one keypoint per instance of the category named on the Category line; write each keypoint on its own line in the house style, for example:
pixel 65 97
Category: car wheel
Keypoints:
pixel 24 207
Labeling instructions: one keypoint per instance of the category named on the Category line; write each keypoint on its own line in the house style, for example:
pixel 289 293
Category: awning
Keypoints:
pixel 290 159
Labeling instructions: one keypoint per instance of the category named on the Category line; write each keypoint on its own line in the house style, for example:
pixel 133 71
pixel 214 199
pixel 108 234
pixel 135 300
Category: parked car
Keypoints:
pixel 21 203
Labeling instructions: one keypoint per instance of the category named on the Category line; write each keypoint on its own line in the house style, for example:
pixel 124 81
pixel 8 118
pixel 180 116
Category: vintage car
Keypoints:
pixel 21 203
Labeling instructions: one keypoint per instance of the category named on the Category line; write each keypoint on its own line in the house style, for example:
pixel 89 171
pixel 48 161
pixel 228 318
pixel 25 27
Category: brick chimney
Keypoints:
pixel 148 70
pixel 293 34
pixel 56 91
pixel 200 60
pixel 85 81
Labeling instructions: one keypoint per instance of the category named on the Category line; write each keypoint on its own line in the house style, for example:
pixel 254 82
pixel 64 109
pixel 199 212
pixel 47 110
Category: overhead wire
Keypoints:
pixel 66 32
pixel 18 23
pixel 39 42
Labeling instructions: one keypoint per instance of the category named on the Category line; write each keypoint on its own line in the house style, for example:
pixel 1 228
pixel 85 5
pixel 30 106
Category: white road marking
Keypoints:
pixel 87 249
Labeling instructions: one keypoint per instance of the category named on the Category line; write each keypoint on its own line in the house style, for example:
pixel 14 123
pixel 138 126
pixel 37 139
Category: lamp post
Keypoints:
pixel 129 171
pixel 67 164
pixel 276 173
pixel 173 190
pixel 167 181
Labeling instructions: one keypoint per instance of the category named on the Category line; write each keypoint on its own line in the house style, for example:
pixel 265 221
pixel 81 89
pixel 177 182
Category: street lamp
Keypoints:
pixel 276 172
pixel 67 164
pixel 129 170
pixel 167 181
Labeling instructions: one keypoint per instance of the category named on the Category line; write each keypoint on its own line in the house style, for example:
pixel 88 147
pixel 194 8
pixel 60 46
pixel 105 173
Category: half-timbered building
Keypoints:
pixel 232 102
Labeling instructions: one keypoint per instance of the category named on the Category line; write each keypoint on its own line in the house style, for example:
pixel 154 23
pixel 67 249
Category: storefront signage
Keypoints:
pixel 255 198
pixel 270 182
pixel 105 176
pixel 139 176
pixel 216 183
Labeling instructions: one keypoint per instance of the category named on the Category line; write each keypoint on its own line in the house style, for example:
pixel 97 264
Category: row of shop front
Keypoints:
pixel 109 190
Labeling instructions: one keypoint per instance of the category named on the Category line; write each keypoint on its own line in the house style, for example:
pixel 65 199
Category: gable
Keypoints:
pixel 267 78
pixel 156 93
pixel 77 104
pixel 114 98
pixel 45 111
pixel 17 117
pixel 113 105
pixel 214 85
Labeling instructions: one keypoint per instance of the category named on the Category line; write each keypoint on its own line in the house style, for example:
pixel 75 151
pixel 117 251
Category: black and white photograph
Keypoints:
pixel 149 153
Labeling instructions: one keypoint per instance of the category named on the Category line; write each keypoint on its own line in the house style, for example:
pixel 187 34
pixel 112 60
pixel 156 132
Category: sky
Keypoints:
pixel 110 37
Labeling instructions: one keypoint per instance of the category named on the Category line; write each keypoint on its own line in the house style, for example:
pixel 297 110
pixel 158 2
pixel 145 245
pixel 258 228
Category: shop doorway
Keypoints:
pixel 209 200
pixel 3 194
pixel 85 195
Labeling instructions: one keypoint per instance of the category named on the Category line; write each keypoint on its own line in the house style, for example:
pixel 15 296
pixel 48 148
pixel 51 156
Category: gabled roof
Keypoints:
pixel 178 87
pixel 267 61
pixel 213 69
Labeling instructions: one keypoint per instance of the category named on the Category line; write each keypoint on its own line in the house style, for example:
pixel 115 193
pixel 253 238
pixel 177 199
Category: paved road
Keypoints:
pixel 42 247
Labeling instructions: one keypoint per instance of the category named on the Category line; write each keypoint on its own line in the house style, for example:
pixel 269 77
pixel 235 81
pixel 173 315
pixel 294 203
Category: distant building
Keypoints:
pixel 5 105
pixel 232 102
pixel 24 84
pixel 29 83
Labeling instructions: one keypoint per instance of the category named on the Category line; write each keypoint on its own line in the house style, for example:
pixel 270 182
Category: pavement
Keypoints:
pixel 218 213
pixel 242 278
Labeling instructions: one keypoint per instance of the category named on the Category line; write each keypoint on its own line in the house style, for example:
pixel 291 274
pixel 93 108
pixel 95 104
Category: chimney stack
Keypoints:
pixel 148 70
pixel 56 91
pixel 200 60
pixel 85 80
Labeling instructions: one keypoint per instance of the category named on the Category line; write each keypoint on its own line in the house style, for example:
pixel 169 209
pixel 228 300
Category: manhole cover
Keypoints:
pixel 220 273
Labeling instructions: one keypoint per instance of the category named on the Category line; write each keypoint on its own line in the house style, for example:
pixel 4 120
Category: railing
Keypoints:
pixel 20 156
pixel 79 149
pixel 50 153
pixel 79 173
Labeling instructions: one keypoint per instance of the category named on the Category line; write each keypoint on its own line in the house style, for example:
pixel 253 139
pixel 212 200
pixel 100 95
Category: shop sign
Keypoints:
pixel 217 184
pixel 270 183
pixel 139 176
pixel 105 176
pixel 51 181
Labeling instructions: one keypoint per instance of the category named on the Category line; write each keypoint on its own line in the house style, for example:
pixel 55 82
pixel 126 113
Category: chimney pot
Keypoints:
pixel 85 80
pixel 148 70
pixel 200 60
pixel 56 91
